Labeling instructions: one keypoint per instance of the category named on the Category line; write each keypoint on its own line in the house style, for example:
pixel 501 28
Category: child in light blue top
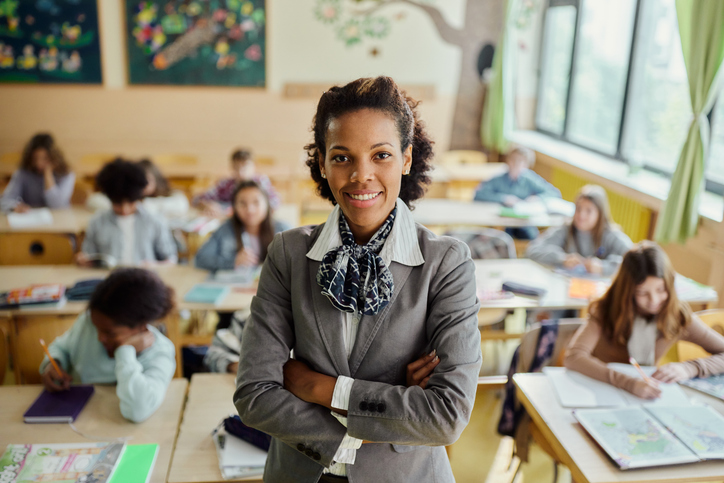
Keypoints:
pixel 112 342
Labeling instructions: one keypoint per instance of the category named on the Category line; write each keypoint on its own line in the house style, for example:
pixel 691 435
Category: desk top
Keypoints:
pixel 210 401
pixel 101 417
pixel 587 462
pixel 444 212
pixel 66 220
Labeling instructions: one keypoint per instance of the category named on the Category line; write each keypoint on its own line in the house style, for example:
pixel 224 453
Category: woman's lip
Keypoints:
pixel 363 192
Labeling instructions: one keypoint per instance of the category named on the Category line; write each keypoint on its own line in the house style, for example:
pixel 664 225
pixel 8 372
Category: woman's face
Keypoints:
pixel 41 160
pixel 364 163
pixel 251 207
pixel 586 215
pixel 651 296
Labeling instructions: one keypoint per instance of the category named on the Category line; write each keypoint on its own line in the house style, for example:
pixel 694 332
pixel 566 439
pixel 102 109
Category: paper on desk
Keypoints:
pixel 671 394
pixel 35 217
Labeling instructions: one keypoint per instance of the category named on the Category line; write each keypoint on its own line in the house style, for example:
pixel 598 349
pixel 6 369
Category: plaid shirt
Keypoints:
pixel 224 189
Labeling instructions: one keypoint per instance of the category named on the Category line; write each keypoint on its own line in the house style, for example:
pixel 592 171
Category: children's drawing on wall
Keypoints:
pixel 49 41
pixel 367 22
pixel 195 42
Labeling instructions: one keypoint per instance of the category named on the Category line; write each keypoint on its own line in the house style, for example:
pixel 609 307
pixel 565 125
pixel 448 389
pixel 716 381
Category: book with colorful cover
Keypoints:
pixel 60 463
pixel 586 289
pixel 34 294
pixel 136 464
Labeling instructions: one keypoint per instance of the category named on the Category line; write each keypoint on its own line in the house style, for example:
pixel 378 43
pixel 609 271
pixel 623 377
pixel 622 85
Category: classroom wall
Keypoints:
pixel 209 122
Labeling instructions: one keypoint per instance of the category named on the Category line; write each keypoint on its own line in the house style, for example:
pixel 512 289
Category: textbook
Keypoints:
pixel 712 385
pixel 136 464
pixel 60 463
pixel 58 407
pixel 49 293
pixel 237 458
pixel 642 437
pixel 204 293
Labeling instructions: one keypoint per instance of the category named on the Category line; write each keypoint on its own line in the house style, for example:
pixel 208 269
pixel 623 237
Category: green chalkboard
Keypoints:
pixel 196 42
pixel 49 41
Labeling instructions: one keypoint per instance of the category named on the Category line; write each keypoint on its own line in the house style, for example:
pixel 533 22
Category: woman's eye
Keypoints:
pixel 383 155
pixel 340 158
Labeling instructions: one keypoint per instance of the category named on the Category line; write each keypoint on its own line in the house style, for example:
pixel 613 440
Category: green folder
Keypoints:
pixel 136 464
pixel 509 212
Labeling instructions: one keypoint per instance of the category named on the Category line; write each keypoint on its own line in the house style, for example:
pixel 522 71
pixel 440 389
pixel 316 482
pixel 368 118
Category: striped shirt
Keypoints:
pixel 402 247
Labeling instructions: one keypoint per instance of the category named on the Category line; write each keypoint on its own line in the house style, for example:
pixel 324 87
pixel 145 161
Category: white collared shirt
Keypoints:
pixel 402 247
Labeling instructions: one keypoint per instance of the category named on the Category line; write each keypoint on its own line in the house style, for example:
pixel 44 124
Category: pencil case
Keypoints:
pixel 233 425
pixel 522 289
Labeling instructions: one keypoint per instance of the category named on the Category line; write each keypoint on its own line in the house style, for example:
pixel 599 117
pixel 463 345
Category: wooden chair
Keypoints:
pixel 28 355
pixel 463 157
pixel 36 249
pixel 688 351
pixel 506 464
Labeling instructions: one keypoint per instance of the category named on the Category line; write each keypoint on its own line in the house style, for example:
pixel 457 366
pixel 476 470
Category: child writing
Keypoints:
pixel 42 180
pixel 112 342
pixel 127 232
pixel 591 242
pixel 518 184
pixel 640 316
pixel 215 202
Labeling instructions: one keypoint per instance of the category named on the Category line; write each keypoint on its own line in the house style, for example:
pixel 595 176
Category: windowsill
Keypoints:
pixel 647 187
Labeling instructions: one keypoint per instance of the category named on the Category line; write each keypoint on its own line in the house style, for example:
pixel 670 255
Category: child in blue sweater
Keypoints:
pixel 112 343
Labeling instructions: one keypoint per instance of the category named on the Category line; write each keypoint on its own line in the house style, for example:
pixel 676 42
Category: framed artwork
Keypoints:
pixel 196 42
pixel 49 42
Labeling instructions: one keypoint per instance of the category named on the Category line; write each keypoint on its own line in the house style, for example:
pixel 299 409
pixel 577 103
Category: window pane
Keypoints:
pixel 560 25
pixel 659 109
pixel 715 168
pixel 599 77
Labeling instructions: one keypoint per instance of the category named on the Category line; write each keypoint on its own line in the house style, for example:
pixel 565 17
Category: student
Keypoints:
pixel 215 202
pixel 242 241
pixel 127 232
pixel 111 342
pixel 43 178
pixel 520 183
pixel 640 316
pixel 158 197
pixel 590 241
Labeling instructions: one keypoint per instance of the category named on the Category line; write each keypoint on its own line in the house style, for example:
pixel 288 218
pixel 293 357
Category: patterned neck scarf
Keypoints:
pixel 355 278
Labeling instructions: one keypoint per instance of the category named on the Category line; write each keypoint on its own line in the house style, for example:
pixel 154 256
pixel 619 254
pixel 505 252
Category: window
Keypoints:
pixel 715 166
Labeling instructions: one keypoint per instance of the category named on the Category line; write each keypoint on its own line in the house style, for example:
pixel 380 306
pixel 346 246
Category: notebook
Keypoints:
pixel 58 407
pixel 48 293
pixel 712 385
pixel 642 437
pixel 207 294
pixel 136 464
pixel 237 458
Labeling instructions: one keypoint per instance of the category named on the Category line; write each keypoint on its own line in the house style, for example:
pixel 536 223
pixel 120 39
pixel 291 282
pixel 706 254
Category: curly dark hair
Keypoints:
pixel 382 94
pixel 122 180
pixel 133 297
pixel 44 141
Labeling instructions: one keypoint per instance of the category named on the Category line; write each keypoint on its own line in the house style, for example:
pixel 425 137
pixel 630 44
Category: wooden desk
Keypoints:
pixel 587 462
pixel 72 221
pixel 209 402
pixel 101 417
pixel 433 212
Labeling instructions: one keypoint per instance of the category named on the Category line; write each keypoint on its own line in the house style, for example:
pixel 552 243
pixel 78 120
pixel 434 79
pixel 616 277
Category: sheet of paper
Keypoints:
pixel 36 217
pixel 576 390
pixel 671 394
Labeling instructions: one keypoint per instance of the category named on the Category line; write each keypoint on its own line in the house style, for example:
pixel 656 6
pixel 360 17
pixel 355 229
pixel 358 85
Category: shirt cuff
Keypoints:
pixel 347 451
pixel 342 391
pixel 125 353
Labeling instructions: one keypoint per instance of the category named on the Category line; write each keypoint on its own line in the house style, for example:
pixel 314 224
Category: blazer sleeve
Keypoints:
pixel 260 397
pixel 437 415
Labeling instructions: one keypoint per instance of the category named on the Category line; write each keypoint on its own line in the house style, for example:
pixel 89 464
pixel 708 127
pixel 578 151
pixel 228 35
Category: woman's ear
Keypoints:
pixel 320 160
pixel 407 160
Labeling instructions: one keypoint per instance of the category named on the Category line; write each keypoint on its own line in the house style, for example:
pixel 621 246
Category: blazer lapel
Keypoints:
pixel 330 322
pixel 370 325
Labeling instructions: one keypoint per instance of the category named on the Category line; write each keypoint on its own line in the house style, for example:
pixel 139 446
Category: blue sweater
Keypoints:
pixel 528 184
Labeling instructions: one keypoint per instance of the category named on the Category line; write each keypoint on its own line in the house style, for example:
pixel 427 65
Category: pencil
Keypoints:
pixel 638 368
pixel 52 361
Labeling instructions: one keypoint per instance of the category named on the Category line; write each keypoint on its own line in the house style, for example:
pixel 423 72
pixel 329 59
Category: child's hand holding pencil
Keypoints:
pixel 54 378
pixel 646 388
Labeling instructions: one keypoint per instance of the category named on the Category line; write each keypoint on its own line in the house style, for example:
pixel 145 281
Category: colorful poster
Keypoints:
pixel 196 42
pixel 49 42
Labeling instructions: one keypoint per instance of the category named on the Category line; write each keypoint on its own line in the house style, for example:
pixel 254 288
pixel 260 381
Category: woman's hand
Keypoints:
pixel 646 389
pixel 49 179
pixel 212 209
pixel 419 372
pixel 572 260
pixel 81 259
pixel 593 265
pixel 53 381
pixel 245 259
pixel 308 385
pixel 674 372
pixel 21 208
pixel 510 200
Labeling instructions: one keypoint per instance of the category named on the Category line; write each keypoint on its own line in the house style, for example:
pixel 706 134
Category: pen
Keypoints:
pixel 52 361
pixel 638 368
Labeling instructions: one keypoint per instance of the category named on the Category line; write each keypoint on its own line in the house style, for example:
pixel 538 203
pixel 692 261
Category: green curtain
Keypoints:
pixel 701 25
pixel 493 125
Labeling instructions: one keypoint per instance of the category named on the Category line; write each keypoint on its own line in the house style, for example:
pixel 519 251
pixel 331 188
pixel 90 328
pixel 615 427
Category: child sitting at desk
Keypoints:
pixel 43 178
pixel 127 232
pixel 112 342
pixel 520 183
pixel 216 201
pixel 591 242
pixel 640 316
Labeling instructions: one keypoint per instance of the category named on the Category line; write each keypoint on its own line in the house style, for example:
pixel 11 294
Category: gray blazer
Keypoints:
pixel 434 306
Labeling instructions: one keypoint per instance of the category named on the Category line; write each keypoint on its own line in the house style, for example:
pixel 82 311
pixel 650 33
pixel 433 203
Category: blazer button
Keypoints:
pixel 301 447
pixel 309 452
pixel 363 406
pixel 317 456
pixel 381 407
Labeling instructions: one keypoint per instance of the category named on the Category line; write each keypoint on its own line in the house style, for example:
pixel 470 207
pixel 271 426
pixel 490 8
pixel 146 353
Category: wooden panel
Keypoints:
pixel 5 327
pixel 36 249
pixel 28 355
pixel 308 90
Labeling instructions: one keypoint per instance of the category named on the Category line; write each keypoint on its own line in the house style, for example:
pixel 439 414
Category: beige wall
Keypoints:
pixel 209 122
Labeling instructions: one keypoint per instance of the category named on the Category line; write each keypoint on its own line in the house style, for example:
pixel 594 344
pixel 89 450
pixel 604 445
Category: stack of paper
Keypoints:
pixel 237 458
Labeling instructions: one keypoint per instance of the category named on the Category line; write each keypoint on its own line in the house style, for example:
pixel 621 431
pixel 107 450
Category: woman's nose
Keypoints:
pixel 362 171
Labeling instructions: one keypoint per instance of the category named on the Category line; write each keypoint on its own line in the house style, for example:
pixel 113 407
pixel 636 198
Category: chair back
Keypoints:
pixel 688 351
pixel 486 243
pixel 529 343
pixel 36 249
pixel 459 157
pixel 170 159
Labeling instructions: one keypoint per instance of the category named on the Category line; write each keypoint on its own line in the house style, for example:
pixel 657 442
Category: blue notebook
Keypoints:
pixel 207 294
pixel 58 407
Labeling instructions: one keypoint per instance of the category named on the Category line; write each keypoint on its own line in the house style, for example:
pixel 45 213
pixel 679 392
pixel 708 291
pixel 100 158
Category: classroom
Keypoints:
pixel 302 240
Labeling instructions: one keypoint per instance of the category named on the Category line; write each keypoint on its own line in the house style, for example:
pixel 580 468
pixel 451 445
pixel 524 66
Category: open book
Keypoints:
pixel 640 437
pixel 713 385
